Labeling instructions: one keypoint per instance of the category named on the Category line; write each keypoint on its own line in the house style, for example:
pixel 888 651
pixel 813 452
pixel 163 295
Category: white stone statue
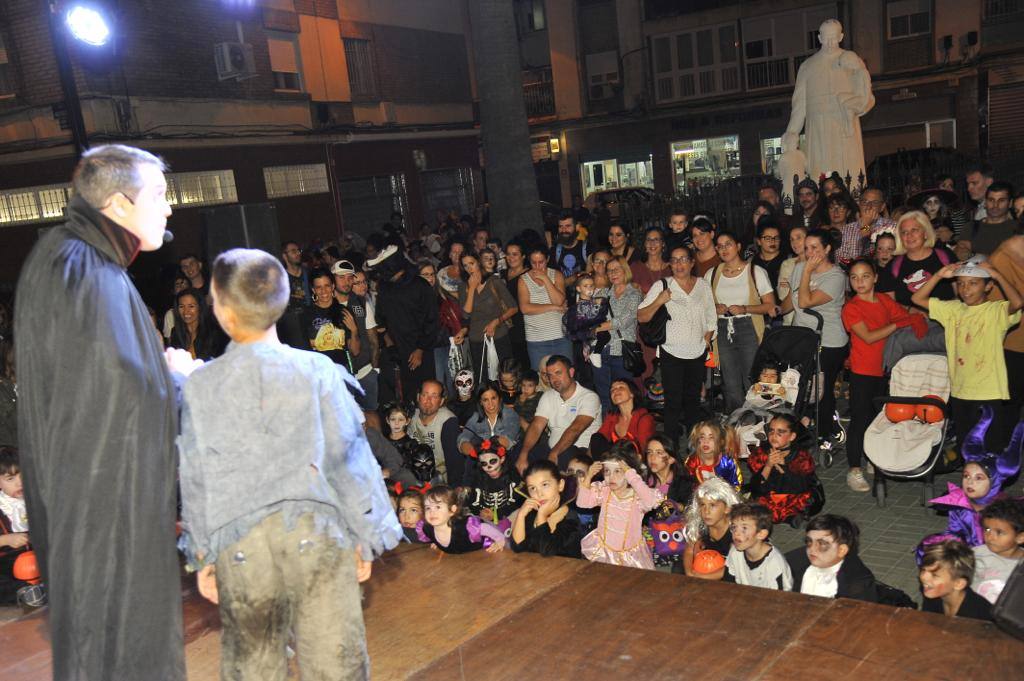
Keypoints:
pixel 833 90
pixel 792 164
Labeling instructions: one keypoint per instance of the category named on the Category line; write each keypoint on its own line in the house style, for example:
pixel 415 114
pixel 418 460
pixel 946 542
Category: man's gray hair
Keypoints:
pixel 109 169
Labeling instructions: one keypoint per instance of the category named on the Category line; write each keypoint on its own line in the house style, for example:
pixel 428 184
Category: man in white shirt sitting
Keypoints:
pixel 570 411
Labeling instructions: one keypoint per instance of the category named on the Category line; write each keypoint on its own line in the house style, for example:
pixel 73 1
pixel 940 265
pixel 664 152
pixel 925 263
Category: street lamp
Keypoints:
pixel 88 24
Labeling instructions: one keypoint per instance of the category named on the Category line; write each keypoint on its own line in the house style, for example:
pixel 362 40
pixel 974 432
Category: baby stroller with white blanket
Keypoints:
pixel 910 448
pixel 796 349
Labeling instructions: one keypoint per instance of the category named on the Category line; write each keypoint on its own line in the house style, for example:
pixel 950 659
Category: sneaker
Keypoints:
pixel 856 481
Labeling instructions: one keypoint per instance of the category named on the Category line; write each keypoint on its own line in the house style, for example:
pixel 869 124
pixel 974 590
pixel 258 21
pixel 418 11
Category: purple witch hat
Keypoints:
pixel 998 466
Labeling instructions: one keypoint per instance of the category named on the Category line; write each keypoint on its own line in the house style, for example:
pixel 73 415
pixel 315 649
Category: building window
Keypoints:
pixel 705 160
pixel 359 59
pixel 771 150
pixel 34 204
pixel 295 180
pixel 6 70
pixel 909 18
pixel 284 61
pixel 205 188
pixel 775 46
pixel 367 202
pixel 613 174
pixel 696 63
pixel 530 16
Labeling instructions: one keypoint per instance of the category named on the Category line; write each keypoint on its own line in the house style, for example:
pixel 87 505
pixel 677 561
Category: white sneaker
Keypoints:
pixel 856 481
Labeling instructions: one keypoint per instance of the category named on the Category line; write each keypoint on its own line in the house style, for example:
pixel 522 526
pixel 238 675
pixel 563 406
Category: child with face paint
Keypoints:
pixel 446 526
pixel 782 474
pixel 624 498
pixel 396 420
pixel 464 404
pixel 983 478
pixel 829 565
pixel 710 458
pixel 975 328
pixel 491 490
pixel 546 523
pixel 753 560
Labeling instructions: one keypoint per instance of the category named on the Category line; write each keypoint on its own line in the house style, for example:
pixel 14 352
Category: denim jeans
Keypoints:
pixel 735 357
pixel 274 583
pixel 611 369
pixel 538 350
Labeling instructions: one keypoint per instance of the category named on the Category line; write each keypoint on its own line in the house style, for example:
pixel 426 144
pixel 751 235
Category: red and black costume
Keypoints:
pixel 793 492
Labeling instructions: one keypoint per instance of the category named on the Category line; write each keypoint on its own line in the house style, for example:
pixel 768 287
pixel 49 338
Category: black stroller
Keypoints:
pixel 799 348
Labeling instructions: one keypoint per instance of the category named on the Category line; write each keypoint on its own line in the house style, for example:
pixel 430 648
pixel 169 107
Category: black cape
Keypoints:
pixel 97 420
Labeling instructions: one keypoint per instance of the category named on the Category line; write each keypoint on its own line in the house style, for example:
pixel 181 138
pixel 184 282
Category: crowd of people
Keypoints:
pixel 569 392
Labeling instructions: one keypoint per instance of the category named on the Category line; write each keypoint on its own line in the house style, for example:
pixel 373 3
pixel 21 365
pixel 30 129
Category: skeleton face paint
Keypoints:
pixel 464 384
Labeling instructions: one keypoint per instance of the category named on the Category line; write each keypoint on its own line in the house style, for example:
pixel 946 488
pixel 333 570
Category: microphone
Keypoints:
pixel 168 236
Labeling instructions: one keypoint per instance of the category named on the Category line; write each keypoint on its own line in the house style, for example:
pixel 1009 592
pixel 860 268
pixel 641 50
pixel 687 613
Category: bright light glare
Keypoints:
pixel 88 25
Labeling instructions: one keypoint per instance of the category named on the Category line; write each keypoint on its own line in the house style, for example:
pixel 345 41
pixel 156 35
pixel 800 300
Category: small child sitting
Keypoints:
pixel 768 387
pixel 707 524
pixel 577 468
pixel 983 477
pixel 710 456
pixel 1003 522
pixel 528 398
pixel 410 512
pixel 624 498
pixel 752 560
pixel 830 566
pixel 546 523
pixel 13 524
pixel 491 487
pixel 582 318
pixel 447 527
pixel 509 377
pixel 946 571
pixel 782 474
pixel 279 487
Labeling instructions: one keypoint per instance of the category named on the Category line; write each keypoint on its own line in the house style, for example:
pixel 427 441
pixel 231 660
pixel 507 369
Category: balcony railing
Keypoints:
pixel 540 99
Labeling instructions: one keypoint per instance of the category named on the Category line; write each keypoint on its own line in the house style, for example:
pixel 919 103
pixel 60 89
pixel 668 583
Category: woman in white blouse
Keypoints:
pixel 688 334
pixel 743 295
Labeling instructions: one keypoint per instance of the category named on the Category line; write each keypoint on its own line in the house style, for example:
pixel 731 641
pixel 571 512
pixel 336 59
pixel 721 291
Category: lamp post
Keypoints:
pixel 88 25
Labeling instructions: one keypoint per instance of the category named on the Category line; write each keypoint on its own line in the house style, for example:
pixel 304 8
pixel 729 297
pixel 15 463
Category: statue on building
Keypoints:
pixel 833 90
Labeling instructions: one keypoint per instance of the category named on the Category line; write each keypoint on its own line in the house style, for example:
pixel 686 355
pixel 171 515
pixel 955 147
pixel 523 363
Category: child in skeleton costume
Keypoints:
pixel 491 492
pixel 983 478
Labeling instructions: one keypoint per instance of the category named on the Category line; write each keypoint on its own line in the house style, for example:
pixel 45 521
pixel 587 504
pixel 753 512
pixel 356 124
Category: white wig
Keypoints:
pixel 714 489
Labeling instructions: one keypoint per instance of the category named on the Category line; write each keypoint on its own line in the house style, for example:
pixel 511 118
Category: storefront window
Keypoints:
pixel 612 174
pixel 771 150
pixel 703 160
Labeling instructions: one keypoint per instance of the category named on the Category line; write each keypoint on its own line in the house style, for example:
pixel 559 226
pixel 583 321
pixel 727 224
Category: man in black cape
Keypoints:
pixel 98 417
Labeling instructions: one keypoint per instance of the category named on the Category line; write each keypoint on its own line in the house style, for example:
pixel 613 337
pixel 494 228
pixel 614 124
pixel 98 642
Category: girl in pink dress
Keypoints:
pixel 624 498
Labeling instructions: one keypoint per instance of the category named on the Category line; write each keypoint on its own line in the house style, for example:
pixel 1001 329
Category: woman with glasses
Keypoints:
pixel 688 333
pixel 597 267
pixel 743 296
pixel 623 300
pixel 854 239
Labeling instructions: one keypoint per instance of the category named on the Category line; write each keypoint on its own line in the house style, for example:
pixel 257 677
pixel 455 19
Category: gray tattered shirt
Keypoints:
pixel 268 428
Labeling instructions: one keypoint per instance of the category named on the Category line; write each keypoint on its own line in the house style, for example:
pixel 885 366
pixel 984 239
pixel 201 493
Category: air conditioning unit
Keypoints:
pixel 387 112
pixel 234 60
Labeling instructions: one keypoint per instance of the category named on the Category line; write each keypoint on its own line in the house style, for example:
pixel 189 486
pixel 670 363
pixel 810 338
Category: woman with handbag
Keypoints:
pixel 743 296
pixel 450 353
pixel 686 335
pixel 623 300
pixel 487 305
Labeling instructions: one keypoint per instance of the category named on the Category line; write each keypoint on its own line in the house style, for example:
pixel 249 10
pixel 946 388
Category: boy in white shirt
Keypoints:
pixel 1003 522
pixel 752 560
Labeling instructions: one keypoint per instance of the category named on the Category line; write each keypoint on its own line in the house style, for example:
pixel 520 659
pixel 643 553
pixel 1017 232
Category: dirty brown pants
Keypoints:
pixel 274 584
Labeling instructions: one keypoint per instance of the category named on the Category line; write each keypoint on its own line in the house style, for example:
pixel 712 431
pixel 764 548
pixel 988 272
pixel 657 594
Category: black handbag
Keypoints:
pixel 653 332
pixel 632 354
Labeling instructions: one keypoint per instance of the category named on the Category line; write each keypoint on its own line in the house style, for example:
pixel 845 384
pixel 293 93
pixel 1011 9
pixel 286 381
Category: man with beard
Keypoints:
pixel 97 422
pixel 569 254
pixel 807 197
pixel 289 328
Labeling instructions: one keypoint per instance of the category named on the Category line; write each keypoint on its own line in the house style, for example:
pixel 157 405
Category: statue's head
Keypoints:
pixel 830 33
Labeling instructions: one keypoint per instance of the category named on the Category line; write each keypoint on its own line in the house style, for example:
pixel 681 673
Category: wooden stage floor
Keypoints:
pixel 481 616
